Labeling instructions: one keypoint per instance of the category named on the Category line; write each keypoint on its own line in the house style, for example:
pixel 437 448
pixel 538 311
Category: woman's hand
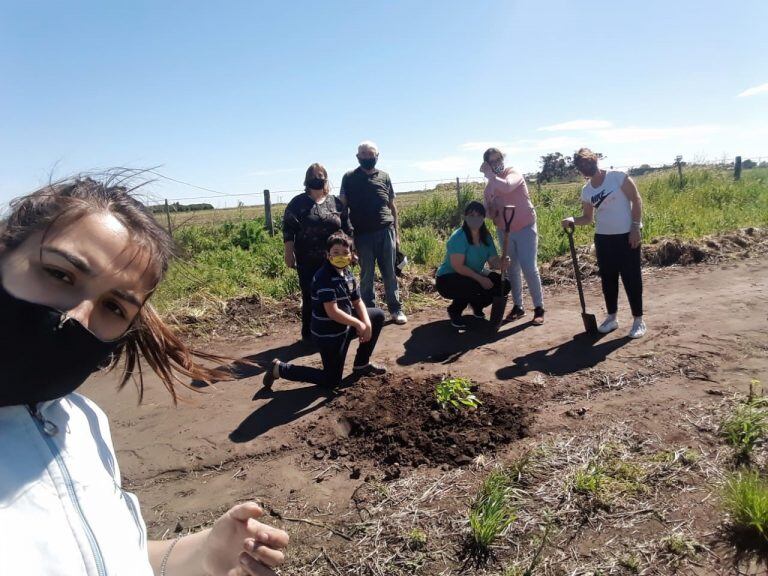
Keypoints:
pixel 485 282
pixel 239 545
pixel 290 260
pixel 635 237
pixel 504 263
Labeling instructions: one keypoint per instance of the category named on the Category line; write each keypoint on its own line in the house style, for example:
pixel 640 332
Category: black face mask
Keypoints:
pixel 367 163
pixel 43 354
pixel 316 184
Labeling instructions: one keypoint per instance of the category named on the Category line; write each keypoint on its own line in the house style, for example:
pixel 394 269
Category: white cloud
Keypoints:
pixel 761 89
pixel 447 165
pixel 632 134
pixel 577 125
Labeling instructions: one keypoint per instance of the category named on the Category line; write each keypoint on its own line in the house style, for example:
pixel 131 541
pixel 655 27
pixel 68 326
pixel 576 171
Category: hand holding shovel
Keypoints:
pixel 590 322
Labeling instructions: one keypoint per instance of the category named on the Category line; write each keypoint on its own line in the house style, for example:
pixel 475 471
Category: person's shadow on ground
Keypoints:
pixel 581 352
pixel 440 343
pixel 257 363
pixel 285 407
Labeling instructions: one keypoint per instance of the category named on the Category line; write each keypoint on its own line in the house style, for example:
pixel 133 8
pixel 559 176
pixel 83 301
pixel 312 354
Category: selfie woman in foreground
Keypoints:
pixel 79 261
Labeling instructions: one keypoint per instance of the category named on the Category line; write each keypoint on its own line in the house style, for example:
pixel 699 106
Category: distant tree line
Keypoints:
pixel 176 207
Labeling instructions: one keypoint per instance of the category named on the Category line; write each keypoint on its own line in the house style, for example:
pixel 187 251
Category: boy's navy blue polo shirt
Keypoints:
pixel 332 285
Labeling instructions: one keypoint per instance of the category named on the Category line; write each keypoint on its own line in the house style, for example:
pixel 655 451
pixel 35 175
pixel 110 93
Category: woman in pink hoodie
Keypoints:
pixel 507 187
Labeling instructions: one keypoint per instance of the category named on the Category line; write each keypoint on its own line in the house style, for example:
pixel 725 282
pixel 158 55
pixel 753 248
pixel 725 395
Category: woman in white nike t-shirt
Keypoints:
pixel 612 198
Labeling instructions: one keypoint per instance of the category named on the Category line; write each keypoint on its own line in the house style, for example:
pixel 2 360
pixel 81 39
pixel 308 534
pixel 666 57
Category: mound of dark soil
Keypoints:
pixel 667 252
pixel 399 423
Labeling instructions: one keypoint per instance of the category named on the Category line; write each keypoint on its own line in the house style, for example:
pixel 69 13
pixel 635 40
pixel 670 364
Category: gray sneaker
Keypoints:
pixel 399 317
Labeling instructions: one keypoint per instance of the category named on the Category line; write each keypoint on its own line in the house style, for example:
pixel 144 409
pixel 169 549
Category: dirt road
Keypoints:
pixel 295 450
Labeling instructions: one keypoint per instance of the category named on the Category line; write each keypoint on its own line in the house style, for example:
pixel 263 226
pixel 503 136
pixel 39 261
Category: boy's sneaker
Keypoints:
pixel 609 324
pixel 399 317
pixel 638 328
pixel 516 313
pixel 369 369
pixel 478 313
pixel 271 374
pixel 457 321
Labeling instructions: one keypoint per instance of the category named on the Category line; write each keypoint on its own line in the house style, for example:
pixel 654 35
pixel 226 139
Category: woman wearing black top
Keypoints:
pixel 309 220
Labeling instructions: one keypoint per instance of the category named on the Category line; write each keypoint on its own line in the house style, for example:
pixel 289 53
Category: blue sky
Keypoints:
pixel 243 95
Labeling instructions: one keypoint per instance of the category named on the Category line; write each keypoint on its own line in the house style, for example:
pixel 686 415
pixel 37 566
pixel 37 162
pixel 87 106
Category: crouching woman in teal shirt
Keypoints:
pixel 463 277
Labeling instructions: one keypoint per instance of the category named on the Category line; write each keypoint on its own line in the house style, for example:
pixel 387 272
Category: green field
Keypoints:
pixel 228 253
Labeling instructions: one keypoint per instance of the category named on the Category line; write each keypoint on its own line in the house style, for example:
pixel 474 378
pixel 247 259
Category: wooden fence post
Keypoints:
pixel 268 213
pixel 168 218
pixel 679 163
pixel 458 193
pixel 737 168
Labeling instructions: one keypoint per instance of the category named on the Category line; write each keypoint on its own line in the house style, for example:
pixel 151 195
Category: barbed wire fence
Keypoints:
pixel 270 198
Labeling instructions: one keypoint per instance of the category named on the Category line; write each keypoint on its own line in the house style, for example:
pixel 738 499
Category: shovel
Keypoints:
pixel 500 301
pixel 590 322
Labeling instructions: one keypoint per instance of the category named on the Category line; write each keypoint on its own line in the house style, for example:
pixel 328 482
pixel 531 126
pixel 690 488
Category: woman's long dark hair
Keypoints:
pixel 485 235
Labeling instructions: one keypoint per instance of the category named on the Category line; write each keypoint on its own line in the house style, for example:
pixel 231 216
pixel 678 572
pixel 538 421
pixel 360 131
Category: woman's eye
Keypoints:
pixel 59 275
pixel 115 308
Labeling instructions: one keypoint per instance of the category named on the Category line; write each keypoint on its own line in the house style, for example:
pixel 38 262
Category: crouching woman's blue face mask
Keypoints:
pixel 44 355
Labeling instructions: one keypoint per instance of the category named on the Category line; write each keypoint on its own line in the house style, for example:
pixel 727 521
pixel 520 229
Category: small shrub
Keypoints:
pixel 745 498
pixel 456 392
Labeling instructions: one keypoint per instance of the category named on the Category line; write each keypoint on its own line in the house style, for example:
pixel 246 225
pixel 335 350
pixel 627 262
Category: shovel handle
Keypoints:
pixel 576 272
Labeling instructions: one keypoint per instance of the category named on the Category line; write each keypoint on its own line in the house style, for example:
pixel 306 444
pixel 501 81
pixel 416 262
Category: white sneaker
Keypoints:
pixel 638 328
pixel 399 317
pixel 609 325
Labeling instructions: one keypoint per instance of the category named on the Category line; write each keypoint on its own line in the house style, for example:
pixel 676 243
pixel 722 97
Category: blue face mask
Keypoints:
pixel 367 163
pixel 498 167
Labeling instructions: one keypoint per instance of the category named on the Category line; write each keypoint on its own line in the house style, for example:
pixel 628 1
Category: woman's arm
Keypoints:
pixel 633 195
pixel 587 216
pixel 490 205
pixel 457 263
pixel 288 254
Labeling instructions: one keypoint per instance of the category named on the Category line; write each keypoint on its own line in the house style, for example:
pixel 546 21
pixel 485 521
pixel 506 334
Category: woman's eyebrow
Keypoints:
pixel 76 261
pixel 128 297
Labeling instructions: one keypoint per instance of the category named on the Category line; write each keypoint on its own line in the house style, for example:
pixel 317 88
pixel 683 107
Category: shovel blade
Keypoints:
pixel 497 310
pixel 590 323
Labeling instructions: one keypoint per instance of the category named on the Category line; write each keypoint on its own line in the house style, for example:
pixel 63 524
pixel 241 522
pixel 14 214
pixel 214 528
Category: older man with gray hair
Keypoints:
pixel 370 198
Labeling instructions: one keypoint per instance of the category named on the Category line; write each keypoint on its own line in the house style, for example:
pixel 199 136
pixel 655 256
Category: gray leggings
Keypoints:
pixel 522 250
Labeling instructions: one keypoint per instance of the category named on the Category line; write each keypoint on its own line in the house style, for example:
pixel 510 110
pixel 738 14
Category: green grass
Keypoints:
pixel 491 513
pixel 228 253
pixel 745 498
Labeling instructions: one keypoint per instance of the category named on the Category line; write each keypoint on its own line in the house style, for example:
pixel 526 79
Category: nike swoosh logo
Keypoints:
pixel 598 199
